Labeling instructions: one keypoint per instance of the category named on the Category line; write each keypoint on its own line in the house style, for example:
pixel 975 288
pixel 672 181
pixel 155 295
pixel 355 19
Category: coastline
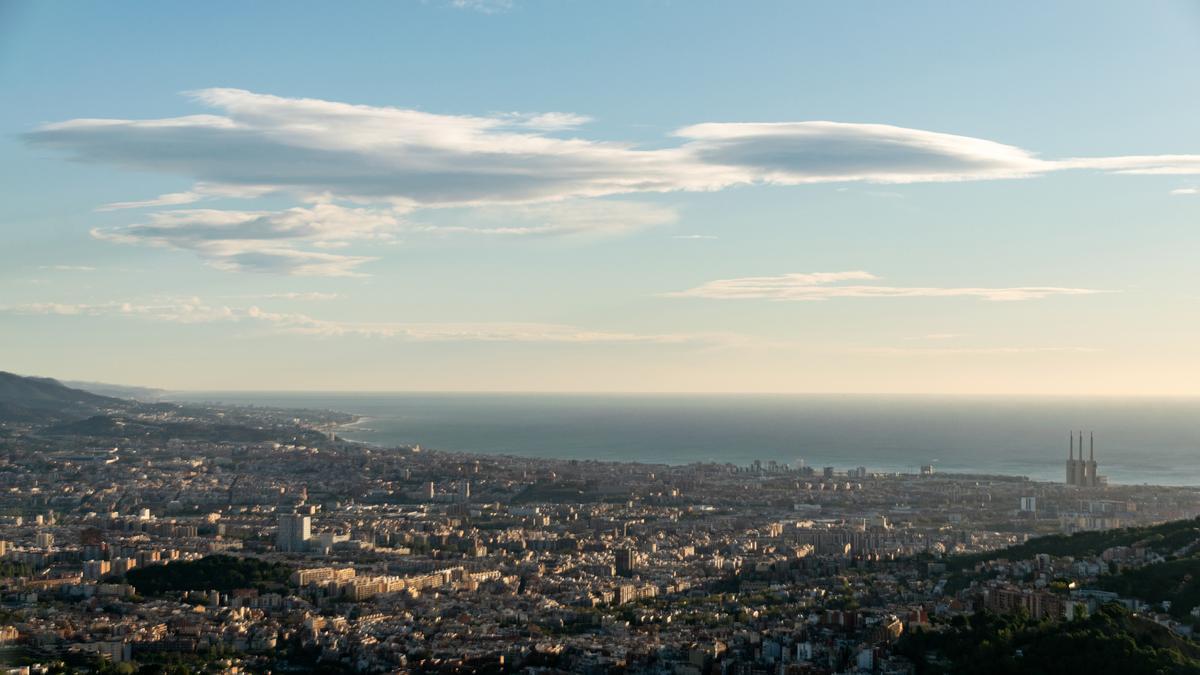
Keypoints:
pixel 1136 444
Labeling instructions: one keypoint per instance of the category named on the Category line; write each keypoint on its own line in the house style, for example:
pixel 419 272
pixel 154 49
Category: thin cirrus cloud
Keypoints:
pixel 168 199
pixel 199 192
pixel 483 6
pixel 974 351
pixel 197 311
pixel 829 285
pixel 296 295
pixel 192 311
pixel 409 159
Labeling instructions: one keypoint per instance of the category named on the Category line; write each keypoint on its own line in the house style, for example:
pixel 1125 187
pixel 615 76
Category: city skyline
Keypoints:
pixel 539 196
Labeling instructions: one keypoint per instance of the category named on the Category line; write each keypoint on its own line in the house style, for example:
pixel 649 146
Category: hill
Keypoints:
pixel 42 400
pixel 120 426
pixel 143 394
pixel 1175 580
pixel 1111 641
pixel 1164 538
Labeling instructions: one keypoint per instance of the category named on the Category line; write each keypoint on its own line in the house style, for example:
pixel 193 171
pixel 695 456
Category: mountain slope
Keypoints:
pixel 143 394
pixel 42 400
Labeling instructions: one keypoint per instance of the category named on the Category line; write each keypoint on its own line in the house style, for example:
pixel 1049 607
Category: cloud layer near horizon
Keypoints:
pixel 194 310
pixel 198 311
pixel 828 285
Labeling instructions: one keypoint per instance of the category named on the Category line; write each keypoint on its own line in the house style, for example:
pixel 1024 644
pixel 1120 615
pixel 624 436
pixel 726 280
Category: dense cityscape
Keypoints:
pixel 608 337
pixel 159 537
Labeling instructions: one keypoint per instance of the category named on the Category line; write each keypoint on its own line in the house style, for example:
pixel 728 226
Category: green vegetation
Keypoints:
pixel 1174 580
pixel 216 572
pixel 1111 641
pixel 10 568
pixel 1165 539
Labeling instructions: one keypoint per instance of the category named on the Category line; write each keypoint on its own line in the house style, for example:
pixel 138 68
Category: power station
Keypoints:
pixel 1081 472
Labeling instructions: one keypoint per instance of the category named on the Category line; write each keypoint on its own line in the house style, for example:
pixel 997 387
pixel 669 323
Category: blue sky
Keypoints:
pixel 570 196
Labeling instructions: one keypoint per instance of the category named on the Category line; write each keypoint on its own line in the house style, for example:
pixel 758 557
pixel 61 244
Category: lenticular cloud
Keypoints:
pixel 311 146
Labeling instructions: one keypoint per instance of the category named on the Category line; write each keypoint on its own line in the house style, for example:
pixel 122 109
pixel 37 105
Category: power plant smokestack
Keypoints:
pixel 1083 472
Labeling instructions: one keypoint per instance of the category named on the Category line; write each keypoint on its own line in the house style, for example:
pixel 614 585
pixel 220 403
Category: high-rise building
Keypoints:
pixel 626 561
pixel 94 570
pixel 294 532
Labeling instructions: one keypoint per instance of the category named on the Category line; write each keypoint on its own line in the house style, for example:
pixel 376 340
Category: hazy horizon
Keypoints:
pixel 633 393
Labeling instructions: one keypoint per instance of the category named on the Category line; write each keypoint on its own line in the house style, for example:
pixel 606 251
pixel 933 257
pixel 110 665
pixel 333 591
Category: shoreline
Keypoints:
pixel 520 436
pixel 839 477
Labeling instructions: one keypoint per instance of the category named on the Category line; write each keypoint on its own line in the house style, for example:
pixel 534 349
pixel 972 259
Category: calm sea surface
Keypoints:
pixel 1154 441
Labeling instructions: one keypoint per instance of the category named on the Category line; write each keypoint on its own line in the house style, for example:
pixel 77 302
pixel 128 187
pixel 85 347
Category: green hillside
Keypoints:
pixel 1112 641
pixel 1165 538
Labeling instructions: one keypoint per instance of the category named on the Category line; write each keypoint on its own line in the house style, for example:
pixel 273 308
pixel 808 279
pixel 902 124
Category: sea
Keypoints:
pixel 1137 441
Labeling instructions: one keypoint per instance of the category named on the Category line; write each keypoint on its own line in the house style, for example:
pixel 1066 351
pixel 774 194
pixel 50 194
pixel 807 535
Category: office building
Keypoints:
pixel 294 532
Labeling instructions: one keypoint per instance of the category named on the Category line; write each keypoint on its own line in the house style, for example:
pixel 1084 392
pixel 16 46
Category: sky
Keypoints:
pixel 555 195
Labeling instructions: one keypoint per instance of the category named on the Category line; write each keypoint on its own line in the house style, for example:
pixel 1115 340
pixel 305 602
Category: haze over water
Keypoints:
pixel 1154 441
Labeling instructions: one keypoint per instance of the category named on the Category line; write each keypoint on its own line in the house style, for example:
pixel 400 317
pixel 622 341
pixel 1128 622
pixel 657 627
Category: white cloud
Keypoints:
pixel 310 295
pixel 299 240
pixel 547 121
pixel 1186 191
pixel 1138 164
pixel 829 285
pixel 169 199
pixel 64 309
pixel 196 311
pixel 483 6
pixel 936 336
pixel 199 192
pixel 564 218
pixel 282 260
pixel 405 159
pixel 791 153
pixel 310 146
pixel 68 268
pixel 974 351
pixel 695 237
pixel 263 241
pixel 313 147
